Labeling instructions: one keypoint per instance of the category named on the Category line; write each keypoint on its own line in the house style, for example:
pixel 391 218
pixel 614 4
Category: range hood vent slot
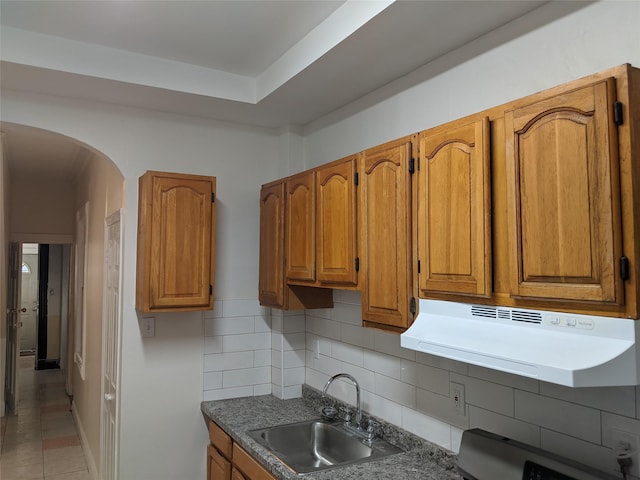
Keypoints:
pixel 557 347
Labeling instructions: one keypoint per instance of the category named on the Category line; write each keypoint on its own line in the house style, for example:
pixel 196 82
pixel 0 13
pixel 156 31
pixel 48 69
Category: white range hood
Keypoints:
pixel 568 349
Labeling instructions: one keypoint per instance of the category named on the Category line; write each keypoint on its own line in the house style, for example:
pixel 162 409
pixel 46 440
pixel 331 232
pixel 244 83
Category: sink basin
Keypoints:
pixel 319 444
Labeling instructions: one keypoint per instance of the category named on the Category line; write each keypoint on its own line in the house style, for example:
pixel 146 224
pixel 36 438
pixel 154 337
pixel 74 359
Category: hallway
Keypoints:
pixel 41 442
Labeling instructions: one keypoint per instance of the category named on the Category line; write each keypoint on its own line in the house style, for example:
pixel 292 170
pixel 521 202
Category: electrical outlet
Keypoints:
pixel 148 326
pixel 624 443
pixel 456 393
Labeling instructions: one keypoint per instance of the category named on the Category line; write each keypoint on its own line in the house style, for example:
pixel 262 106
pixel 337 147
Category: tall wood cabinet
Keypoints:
pixel 301 227
pixel 337 258
pixel 563 196
pixel 176 242
pixel 454 209
pixel 385 220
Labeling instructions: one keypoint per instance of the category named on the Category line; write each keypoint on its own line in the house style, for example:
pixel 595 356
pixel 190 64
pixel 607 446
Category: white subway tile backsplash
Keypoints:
pixel 395 390
pixel 245 377
pixel 382 407
pixel 426 377
pixel 579 450
pixel 294 324
pixel 346 313
pixel 262 324
pixel 366 378
pixel 560 416
pixel 262 358
pixel 228 326
pixel 347 353
pixel 382 363
pixel 293 376
pixel 620 400
pixel 487 395
pixel 356 335
pixel 503 378
pixel 263 389
pixel 432 429
pixel 611 421
pixel 243 308
pixel 314 378
pixel 326 313
pixel 212 345
pixel 324 364
pixel 217 362
pixel 216 312
pixel 250 341
pixel 294 341
pixel 441 407
pixel 224 393
pixel 502 425
pixel 323 327
pixel 294 358
pixel 443 363
pixel 212 380
pixel 389 343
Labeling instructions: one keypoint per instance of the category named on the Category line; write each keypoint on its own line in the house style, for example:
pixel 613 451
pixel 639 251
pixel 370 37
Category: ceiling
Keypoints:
pixel 265 63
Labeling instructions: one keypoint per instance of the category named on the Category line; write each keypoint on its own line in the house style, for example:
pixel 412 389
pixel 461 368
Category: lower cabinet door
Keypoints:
pixel 218 467
pixel 237 475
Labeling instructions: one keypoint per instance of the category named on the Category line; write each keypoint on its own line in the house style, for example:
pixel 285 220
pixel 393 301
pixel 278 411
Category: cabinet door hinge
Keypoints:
pixel 356 179
pixel 213 197
pixel 210 289
pixel 412 306
pixel 357 264
pixel 418 266
pixel 412 166
pixel 624 268
pixel 617 113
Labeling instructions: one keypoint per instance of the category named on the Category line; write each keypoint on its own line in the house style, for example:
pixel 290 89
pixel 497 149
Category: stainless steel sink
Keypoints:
pixel 319 444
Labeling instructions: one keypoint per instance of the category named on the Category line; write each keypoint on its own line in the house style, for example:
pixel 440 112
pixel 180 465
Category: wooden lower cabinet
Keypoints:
pixel 218 467
pixel 228 461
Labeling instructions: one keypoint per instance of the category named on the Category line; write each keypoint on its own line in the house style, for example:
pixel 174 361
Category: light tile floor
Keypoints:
pixel 41 442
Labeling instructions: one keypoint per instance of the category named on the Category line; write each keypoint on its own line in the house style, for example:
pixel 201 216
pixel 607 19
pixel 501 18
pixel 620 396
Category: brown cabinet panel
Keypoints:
pixel 249 467
pixel 336 222
pixel 385 233
pixel 272 217
pixel 454 206
pixel 564 197
pixel 301 227
pixel 176 242
pixel 218 467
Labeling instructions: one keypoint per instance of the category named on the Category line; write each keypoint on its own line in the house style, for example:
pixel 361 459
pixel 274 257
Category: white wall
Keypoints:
pixel 412 389
pixel 4 255
pixel 162 433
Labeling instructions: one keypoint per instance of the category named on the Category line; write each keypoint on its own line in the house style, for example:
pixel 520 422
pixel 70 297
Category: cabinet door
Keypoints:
pixel 218 467
pixel 176 235
pixel 336 222
pixel 385 234
pixel 271 277
pixel 250 468
pixel 236 475
pixel 564 198
pixel 301 227
pixel 454 210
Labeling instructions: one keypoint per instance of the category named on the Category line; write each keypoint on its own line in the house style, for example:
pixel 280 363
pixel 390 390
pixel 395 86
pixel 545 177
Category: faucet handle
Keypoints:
pixel 346 414
pixel 371 429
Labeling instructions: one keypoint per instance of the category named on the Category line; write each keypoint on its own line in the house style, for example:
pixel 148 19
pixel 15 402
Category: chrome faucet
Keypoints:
pixel 358 401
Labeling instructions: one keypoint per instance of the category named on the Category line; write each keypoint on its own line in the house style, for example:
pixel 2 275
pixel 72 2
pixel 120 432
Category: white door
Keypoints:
pixel 13 301
pixel 29 302
pixel 111 347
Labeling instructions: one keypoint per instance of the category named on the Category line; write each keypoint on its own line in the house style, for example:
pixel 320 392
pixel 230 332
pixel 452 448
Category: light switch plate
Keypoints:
pixel 148 326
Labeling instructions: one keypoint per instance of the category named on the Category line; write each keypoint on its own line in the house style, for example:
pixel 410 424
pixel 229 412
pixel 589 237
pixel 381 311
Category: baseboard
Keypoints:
pixel 91 463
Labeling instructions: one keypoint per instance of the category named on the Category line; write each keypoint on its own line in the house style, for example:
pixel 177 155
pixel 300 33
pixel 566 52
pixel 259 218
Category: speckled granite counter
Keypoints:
pixel 421 460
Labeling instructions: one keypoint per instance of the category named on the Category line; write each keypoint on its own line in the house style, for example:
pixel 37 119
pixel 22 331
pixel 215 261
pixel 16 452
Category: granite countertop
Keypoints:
pixel 421 460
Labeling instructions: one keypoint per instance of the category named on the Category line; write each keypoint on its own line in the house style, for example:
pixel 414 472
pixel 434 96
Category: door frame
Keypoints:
pixel 14 284
pixel 111 347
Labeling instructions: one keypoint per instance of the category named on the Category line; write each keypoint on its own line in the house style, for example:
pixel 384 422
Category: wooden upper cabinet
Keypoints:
pixel 272 217
pixel 301 227
pixel 385 233
pixel 454 210
pixel 336 222
pixel 564 198
pixel 176 242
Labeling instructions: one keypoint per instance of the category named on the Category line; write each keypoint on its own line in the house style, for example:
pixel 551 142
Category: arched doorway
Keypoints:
pixel 62 190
